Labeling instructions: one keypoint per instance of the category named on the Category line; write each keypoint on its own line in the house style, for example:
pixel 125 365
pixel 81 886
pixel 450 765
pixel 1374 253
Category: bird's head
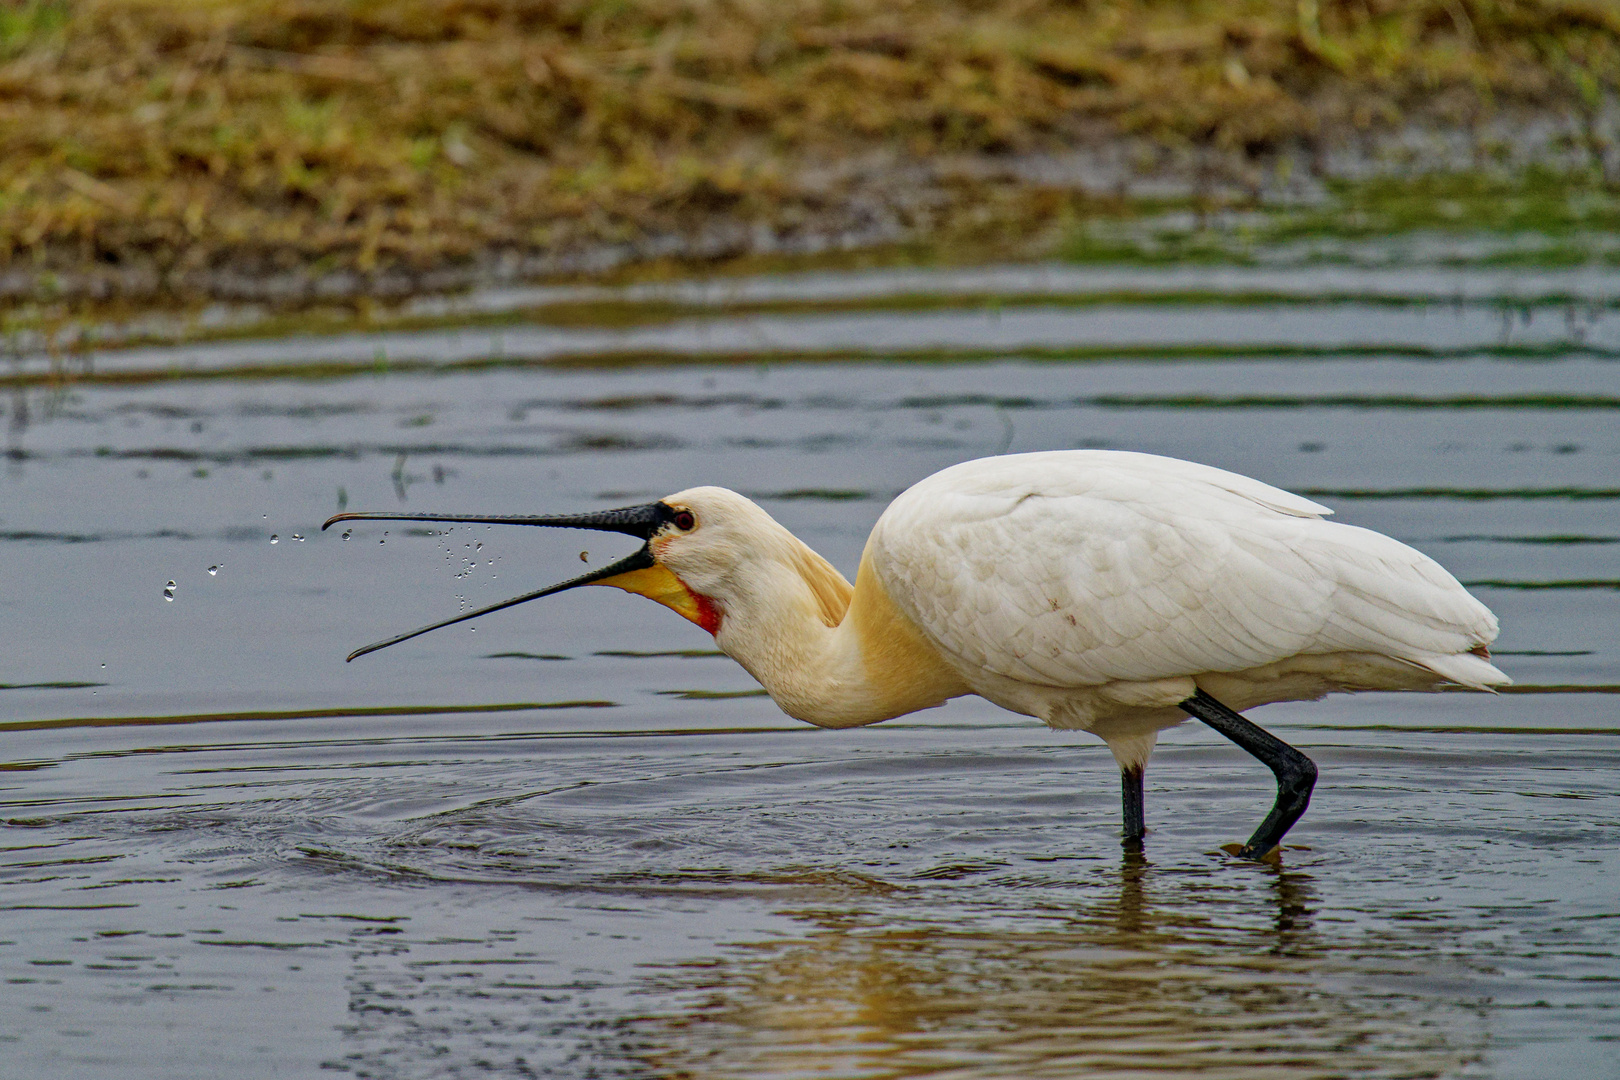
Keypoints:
pixel 715 538
pixel 706 550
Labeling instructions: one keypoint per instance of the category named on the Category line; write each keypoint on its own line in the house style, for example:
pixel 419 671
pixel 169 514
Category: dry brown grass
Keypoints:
pixel 315 135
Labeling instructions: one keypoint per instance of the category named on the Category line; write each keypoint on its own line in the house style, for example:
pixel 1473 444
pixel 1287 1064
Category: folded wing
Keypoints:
pixel 1078 568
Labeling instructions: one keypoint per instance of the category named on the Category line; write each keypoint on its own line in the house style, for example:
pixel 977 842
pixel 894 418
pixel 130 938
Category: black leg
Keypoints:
pixel 1130 783
pixel 1296 773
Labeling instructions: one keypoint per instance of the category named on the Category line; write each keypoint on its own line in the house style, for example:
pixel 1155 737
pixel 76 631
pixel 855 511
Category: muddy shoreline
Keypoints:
pixel 983 207
pixel 291 153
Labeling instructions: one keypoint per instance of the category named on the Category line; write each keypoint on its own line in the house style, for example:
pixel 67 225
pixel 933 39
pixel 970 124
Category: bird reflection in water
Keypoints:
pixel 1179 968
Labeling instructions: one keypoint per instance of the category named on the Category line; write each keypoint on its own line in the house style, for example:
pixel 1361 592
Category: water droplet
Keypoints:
pixel 168 592
pixel 298 537
pixel 347 533
pixel 274 539
pixel 584 556
pixel 472 629
pixel 479 546
pixel 103 665
pixel 213 571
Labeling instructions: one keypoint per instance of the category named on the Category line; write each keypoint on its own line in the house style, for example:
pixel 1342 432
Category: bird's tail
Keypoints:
pixel 1466 669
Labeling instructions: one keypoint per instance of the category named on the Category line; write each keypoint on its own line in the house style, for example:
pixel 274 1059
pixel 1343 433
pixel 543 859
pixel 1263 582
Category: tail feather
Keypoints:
pixel 1465 669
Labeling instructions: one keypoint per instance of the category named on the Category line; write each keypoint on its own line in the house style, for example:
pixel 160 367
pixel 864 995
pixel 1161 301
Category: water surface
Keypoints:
pixel 570 840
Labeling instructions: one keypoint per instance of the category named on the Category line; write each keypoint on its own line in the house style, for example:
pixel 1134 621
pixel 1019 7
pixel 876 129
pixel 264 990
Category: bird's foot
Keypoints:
pixel 1244 851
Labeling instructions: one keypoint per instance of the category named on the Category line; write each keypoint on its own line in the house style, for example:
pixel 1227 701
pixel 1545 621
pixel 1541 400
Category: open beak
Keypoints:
pixel 638 572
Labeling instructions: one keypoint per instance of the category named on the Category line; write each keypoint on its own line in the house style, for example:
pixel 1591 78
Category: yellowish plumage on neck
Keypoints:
pixel 836 656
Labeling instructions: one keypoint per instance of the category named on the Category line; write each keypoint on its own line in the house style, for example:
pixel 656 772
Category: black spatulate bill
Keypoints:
pixel 640 521
pixel 643 521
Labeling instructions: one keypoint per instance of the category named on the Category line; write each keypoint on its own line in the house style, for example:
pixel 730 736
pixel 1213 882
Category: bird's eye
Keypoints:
pixel 684 520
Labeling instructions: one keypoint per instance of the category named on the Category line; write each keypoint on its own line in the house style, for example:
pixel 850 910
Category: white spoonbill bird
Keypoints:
pixel 1105 591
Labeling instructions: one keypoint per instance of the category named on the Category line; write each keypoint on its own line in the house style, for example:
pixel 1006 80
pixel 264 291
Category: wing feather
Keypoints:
pixel 1078 568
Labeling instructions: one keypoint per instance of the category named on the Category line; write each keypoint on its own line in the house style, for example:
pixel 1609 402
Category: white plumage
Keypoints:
pixel 1086 567
pixel 1118 593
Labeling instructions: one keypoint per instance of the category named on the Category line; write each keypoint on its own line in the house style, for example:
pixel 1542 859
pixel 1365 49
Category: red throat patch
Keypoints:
pixel 708 613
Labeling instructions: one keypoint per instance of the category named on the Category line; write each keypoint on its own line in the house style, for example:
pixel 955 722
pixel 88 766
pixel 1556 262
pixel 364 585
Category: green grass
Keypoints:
pixel 1534 217
pixel 32 24
pixel 162 150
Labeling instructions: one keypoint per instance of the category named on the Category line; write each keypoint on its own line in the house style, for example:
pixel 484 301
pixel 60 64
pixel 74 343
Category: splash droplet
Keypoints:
pixel 584 556
pixel 274 539
pixel 298 537
pixel 168 592
pixel 347 533
pixel 213 571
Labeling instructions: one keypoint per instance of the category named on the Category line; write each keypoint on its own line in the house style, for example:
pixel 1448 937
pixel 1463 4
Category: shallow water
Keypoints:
pixel 569 840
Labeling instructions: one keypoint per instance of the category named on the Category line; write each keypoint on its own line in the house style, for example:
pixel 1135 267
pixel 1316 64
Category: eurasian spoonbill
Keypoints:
pixel 1106 591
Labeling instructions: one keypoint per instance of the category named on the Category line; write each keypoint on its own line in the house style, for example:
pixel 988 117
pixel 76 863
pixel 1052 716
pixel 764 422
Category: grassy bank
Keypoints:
pixel 1530 217
pixel 207 148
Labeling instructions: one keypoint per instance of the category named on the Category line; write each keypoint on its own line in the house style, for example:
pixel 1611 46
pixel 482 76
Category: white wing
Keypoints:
pixel 1077 568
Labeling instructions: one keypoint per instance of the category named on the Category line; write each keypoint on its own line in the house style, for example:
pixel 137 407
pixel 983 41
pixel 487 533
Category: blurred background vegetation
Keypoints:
pixel 306 148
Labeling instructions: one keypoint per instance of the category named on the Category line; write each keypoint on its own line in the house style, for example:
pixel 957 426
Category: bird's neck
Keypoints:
pixel 836 668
